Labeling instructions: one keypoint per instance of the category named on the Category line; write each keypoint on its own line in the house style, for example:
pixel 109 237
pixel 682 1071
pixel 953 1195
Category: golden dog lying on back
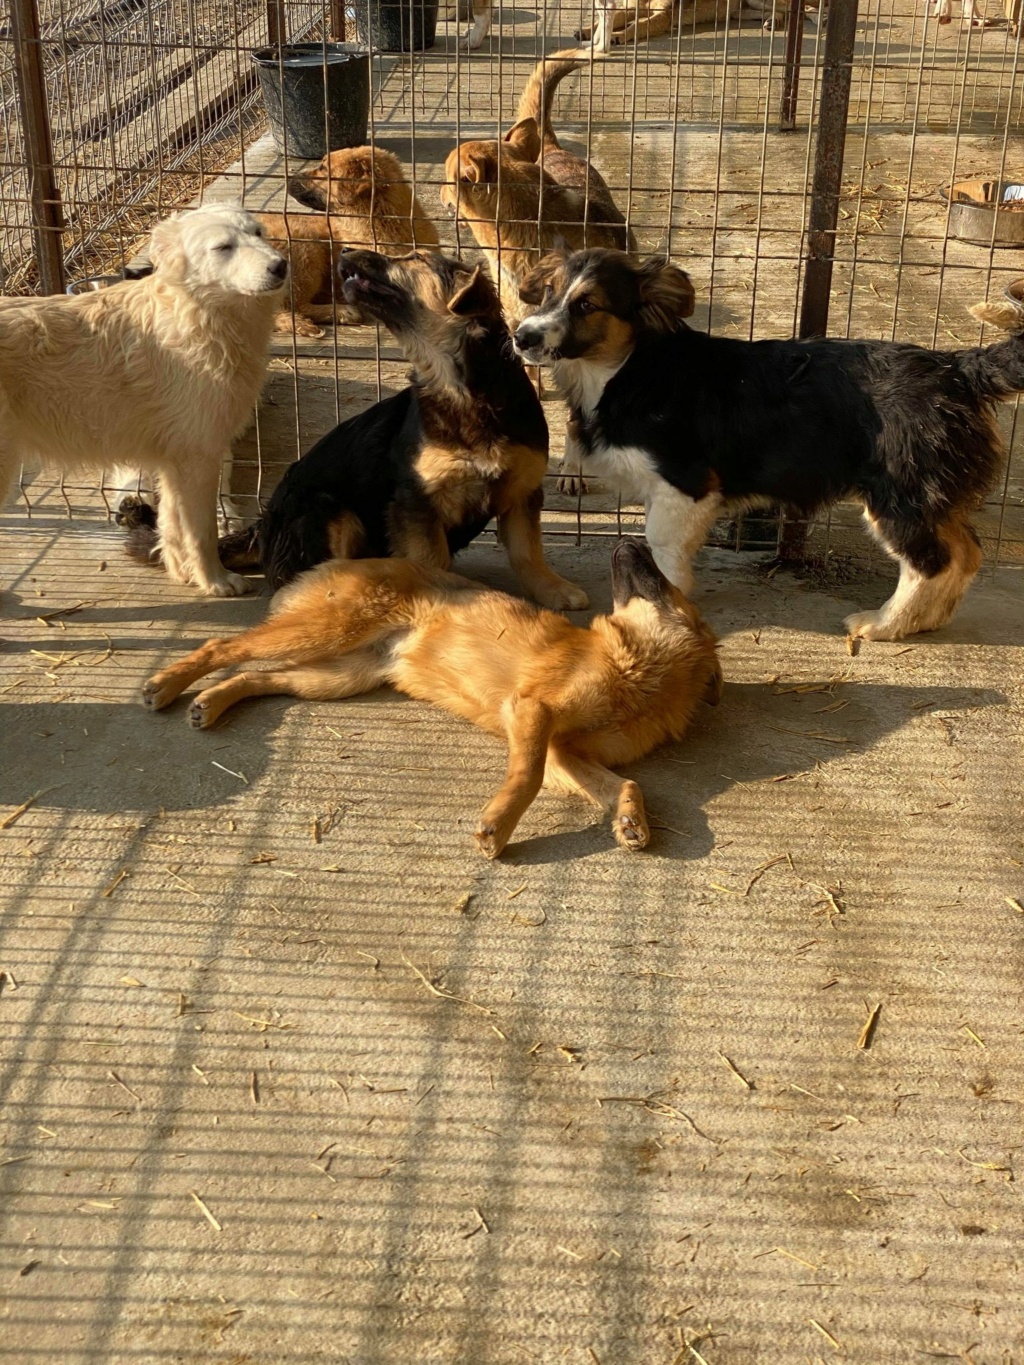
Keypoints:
pixel 568 701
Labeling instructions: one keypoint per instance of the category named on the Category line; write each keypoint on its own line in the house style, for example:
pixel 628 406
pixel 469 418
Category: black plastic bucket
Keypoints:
pixel 319 93
pixel 396 25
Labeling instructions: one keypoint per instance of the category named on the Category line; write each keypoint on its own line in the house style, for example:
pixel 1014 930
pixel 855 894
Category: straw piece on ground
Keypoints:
pixel 867 1033
pixel 736 1072
pixel 206 1212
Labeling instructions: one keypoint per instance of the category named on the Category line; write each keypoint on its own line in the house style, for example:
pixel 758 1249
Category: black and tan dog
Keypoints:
pixel 568 701
pixel 694 425
pixel 422 473
pixel 526 193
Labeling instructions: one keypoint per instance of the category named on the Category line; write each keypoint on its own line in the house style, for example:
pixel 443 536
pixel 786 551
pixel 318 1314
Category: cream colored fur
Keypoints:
pixel 158 374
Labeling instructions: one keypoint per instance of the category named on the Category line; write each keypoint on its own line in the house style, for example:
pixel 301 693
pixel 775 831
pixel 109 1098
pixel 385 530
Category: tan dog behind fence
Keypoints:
pixel 362 199
pixel 526 194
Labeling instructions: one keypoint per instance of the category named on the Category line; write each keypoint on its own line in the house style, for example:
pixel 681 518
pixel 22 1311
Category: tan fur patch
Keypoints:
pixel 346 536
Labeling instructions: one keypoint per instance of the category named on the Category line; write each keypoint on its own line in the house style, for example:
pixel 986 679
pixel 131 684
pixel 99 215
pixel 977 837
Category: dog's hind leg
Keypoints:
pixel 316 622
pixel 605 789
pixel 528 725
pixel 676 528
pixel 519 532
pixel 266 641
pixel 349 676
pixel 9 460
pixel 188 529
pixel 936 569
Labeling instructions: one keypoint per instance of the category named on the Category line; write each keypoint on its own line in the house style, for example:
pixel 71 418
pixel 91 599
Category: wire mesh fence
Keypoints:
pixel 155 105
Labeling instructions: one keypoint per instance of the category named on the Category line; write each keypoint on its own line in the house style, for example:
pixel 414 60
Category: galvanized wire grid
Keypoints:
pixel 154 105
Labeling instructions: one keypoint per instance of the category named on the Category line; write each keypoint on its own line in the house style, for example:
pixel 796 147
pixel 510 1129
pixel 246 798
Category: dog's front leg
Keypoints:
pixel 528 724
pixel 416 533
pixel 570 471
pixel 677 527
pixel 188 529
pixel 519 532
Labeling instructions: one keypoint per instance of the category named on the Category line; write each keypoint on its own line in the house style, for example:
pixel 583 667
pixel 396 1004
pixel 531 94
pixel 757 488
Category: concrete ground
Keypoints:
pixel 291 1074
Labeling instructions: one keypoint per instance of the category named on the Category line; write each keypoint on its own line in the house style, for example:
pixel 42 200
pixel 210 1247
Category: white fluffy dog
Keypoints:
pixel 158 374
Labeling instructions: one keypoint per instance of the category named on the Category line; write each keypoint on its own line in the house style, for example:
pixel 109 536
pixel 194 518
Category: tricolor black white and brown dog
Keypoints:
pixel 694 425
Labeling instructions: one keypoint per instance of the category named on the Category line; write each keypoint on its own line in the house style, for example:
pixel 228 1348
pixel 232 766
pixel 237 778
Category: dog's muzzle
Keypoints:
pixel 364 277
pixel 530 345
pixel 635 574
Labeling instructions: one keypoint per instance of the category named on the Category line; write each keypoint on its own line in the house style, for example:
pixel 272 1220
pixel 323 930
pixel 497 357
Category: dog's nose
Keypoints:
pixel 278 268
pixel 528 337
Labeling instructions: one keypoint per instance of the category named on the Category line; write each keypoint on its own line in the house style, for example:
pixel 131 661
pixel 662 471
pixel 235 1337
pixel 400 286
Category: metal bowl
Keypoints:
pixel 979 212
pixel 92 283
pixel 1014 291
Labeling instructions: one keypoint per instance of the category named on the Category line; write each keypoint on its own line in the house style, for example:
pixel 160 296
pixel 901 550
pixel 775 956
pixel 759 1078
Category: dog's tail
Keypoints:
pixel 138 518
pixel 535 101
pixel 998 371
pixel 239 550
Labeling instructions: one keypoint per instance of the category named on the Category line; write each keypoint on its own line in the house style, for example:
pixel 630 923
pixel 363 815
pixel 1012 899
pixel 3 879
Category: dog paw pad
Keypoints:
pixel 486 839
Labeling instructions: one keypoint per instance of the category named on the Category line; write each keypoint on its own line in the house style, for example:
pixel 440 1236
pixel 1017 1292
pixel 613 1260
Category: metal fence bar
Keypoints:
pixel 44 197
pixel 791 68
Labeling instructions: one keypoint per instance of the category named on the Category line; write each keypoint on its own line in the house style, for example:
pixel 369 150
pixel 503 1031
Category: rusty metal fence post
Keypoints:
pixel 277 23
pixel 44 197
pixel 833 112
pixel 791 66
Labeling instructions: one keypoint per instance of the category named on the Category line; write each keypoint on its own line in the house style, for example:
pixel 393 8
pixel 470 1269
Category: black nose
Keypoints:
pixel 527 337
pixel 279 269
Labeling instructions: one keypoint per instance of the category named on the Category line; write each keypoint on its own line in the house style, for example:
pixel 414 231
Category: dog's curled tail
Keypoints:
pixel 1007 314
pixel 998 370
pixel 546 76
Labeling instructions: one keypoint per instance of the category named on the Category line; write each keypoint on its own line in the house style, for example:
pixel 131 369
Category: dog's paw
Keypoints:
pixel 349 315
pixel 230 585
pixel 631 832
pixel 870 625
pixel 488 840
pixel 133 512
pixel 571 484
pixel 156 694
pixel 306 327
pixel 561 595
pixel 199 714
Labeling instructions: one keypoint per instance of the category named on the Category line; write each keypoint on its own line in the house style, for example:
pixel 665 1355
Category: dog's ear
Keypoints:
pixel 473 165
pixel 533 288
pixel 476 298
pixel 165 247
pixel 666 294
pixel 523 139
